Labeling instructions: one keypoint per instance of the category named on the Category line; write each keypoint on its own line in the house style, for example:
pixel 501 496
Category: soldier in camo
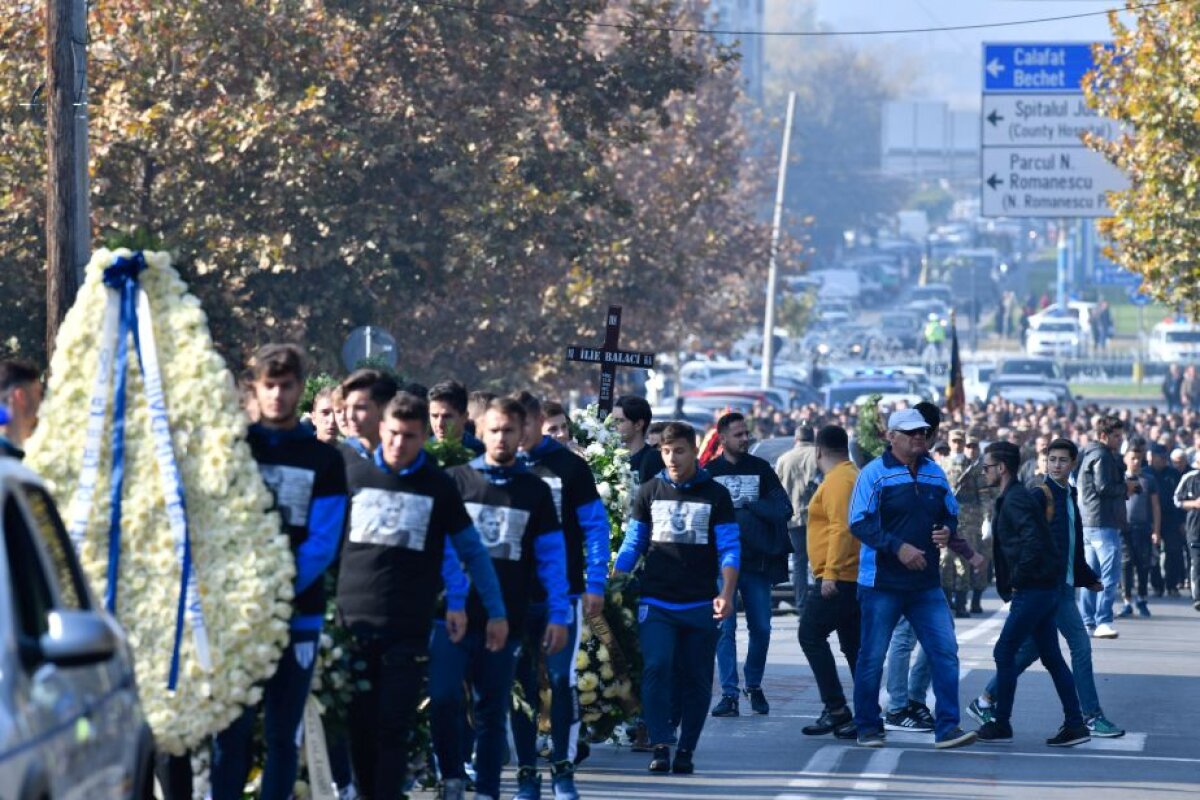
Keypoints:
pixel 974 499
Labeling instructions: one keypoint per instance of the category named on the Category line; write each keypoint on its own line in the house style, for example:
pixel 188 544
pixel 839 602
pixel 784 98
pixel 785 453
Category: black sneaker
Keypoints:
pixel 994 733
pixel 682 765
pixel 903 720
pixel 872 739
pixel 582 751
pixel 728 707
pixel 641 739
pixel 758 701
pixel 662 759
pixel 828 722
pixel 846 731
pixel 920 712
pixel 1069 736
pixel 956 738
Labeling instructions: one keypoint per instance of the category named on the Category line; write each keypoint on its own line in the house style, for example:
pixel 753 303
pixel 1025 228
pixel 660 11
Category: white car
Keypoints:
pixel 976 379
pixel 1055 336
pixel 1172 342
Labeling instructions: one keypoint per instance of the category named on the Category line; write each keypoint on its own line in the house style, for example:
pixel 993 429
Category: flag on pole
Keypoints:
pixel 956 396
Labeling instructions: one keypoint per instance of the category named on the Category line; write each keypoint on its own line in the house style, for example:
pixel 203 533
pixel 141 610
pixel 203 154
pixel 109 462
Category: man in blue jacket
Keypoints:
pixel 903 511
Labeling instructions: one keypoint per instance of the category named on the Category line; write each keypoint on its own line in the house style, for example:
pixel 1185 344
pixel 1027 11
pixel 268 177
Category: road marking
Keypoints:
pixel 819 768
pixel 879 768
pixel 1129 743
pixel 1071 752
pixel 993 622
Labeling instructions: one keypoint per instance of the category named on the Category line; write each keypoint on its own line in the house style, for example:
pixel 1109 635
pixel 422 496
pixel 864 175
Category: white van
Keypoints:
pixel 1175 341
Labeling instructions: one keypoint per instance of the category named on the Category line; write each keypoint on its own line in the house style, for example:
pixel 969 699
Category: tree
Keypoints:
pixel 482 186
pixel 1150 81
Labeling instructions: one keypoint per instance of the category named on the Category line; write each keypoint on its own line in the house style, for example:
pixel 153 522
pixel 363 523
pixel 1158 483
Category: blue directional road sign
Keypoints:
pixel 1036 66
pixel 1112 275
pixel 1137 298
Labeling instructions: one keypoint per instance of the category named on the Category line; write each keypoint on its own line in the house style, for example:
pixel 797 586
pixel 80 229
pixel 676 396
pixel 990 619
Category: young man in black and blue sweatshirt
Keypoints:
pixel 406 520
pixel 586 532
pixel 308 481
pixel 683 525
pixel 515 515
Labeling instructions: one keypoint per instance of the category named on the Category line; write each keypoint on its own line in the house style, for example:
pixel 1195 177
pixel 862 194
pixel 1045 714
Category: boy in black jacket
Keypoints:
pixel 1029 568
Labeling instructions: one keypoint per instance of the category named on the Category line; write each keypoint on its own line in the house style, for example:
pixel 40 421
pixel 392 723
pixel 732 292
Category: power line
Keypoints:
pixel 537 18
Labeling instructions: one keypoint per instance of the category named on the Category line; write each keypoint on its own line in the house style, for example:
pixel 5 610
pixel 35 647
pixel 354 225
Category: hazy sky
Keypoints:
pixel 948 65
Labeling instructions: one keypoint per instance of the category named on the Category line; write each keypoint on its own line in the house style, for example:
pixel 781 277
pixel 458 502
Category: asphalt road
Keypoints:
pixel 1148 683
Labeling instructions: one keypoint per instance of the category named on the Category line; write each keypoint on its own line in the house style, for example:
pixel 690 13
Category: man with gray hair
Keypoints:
pixel 797 471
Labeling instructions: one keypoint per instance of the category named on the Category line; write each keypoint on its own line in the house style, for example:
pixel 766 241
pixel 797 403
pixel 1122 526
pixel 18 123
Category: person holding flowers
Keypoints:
pixel 586 532
pixel 308 481
pixel 683 524
pixel 404 512
pixel 515 514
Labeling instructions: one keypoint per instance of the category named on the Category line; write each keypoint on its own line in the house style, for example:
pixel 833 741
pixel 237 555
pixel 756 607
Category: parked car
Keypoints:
pixel 70 721
pixel 931 292
pixel 976 378
pixel 848 392
pixel 1172 342
pixel 771 449
pixel 1026 367
pixel 1030 389
pixel 903 326
pixel 1055 336
pixel 696 372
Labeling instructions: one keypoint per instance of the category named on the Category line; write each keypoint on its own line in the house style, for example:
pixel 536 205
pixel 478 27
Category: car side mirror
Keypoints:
pixel 77 638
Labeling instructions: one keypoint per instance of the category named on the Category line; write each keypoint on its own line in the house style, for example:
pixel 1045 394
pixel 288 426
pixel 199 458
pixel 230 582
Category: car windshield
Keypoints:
pixel 1046 369
pixel 844 395
pixel 1056 327
pixel 1183 337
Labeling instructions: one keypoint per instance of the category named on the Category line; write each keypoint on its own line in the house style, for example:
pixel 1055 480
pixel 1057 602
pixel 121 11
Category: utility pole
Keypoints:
pixel 68 218
pixel 768 346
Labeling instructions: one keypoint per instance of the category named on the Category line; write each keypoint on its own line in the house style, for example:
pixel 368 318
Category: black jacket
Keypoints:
pixel 1055 499
pixel 1026 553
pixel 1102 489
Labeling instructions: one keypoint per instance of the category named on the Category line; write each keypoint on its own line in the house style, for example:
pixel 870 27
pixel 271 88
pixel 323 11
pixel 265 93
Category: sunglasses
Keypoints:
pixel 922 432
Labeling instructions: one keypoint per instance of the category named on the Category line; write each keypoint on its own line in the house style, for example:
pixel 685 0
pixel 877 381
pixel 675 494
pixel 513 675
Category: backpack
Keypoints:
pixel 1049 502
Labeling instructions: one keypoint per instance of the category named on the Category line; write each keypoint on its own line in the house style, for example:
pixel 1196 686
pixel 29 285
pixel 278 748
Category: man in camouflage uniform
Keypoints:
pixel 974 499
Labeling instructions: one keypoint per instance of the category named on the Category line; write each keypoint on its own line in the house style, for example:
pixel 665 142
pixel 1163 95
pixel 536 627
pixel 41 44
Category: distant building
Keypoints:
pixel 743 15
pixel 929 141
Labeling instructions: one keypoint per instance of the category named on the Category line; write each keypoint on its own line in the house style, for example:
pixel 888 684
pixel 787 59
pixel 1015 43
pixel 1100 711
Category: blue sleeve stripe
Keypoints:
pixel 593 518
pixel 637 540
pixel 326 520
pixel 457 584
pixel 550 549
pixel 479 564
pixel 729 545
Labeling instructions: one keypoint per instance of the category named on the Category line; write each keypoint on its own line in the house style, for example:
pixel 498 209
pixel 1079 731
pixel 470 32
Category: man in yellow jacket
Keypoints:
pixel 832 603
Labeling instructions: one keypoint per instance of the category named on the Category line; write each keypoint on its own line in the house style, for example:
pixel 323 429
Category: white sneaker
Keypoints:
pixel 1105 631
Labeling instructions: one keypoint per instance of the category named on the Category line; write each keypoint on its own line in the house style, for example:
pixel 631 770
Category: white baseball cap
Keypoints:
pixel 906 419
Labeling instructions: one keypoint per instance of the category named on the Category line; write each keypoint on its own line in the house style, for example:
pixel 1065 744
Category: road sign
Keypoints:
pixel 1039 120
pixel 1115 276
pixel 1036 66
pixel 369 343
pixel 1034 161
pixel 1137 298
pixel 1047 182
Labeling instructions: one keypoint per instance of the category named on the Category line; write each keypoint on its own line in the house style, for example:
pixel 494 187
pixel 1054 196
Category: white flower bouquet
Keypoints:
pixel 605 453
pixel 242 565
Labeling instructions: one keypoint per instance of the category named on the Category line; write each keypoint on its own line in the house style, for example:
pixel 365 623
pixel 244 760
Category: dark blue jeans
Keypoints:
pixel 564 700
pixel 677 646
pixel 755 589
pixel 1032 615
pixel 284 695
pixel 491 678
pixel 927 611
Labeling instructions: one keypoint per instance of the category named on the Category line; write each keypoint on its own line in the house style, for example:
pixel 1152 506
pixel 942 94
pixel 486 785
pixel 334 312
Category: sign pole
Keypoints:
pixel 768 345
pixel 1061 282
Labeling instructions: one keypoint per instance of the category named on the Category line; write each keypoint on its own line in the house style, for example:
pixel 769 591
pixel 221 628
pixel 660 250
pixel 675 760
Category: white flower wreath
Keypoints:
pixel 243 564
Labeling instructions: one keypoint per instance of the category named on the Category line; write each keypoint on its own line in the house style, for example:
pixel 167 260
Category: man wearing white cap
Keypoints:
pixel 903 511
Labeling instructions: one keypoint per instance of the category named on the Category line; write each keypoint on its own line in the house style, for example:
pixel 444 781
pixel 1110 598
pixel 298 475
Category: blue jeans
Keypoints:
pixel 283 701
pixel 755 589
pixel 929 614
pixel 564 700
pixel 1031 615
pixel 677 654
pixel 491 678
pixel 905 686
pixel 1102 548
pixel 1070 625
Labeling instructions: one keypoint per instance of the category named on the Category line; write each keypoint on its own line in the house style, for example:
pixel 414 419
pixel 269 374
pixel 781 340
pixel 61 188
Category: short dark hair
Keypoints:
pixel 1007 454
pixel 1064 444
pixel 728 419
pixel 636 410
pixel 656 427
pixel 452 393
pixel 509 407
pixel 277 360
pixel 805 433
pixel 833 438
pixel 678 431
pixel 1108 424
pixel 480 399
pixel 1136 443
pixel 380 386
pixel 553 408
pixel 16 373
pixel 532 406
pixel 407 406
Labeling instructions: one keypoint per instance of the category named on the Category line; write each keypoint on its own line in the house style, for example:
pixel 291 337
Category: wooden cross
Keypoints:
pixel 609 358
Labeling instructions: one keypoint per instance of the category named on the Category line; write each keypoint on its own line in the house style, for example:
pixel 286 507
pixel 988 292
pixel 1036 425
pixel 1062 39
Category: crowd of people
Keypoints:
pixel 479 574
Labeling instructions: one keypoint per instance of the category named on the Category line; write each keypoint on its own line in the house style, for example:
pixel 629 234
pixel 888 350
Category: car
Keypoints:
pixel 931 293
pixel 1029 367
pixel 779 398
pixel 771 449
pixel 1030 389
pixel 1055 336
pixel 976 378
pixel 848 392
pixel 699 417
pixel 696 372
pixel 1172 342
pixel 71 723
pixel 1079 310
pixel 903 326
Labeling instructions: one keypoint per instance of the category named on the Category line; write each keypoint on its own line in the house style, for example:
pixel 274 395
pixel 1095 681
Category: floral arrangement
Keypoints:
pixel 870 428
pixel 242 564
pixel 608 664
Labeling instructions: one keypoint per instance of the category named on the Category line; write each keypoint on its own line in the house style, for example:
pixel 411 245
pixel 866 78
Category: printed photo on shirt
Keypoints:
pixel 501 528
pixel 680 522
pixel 391 519
pixel 292 487
pixel 556 489
pixel 743 489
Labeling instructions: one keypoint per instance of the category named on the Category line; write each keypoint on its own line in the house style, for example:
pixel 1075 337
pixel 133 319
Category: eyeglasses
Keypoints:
pixel 923 432
pixel 985 467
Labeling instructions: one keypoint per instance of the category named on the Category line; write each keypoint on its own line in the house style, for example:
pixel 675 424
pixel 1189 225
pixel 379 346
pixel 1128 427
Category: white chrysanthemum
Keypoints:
pixel 244 566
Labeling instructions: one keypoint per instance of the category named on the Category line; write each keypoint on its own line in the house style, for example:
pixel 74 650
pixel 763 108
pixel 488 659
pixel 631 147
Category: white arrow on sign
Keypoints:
pixel 994 67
